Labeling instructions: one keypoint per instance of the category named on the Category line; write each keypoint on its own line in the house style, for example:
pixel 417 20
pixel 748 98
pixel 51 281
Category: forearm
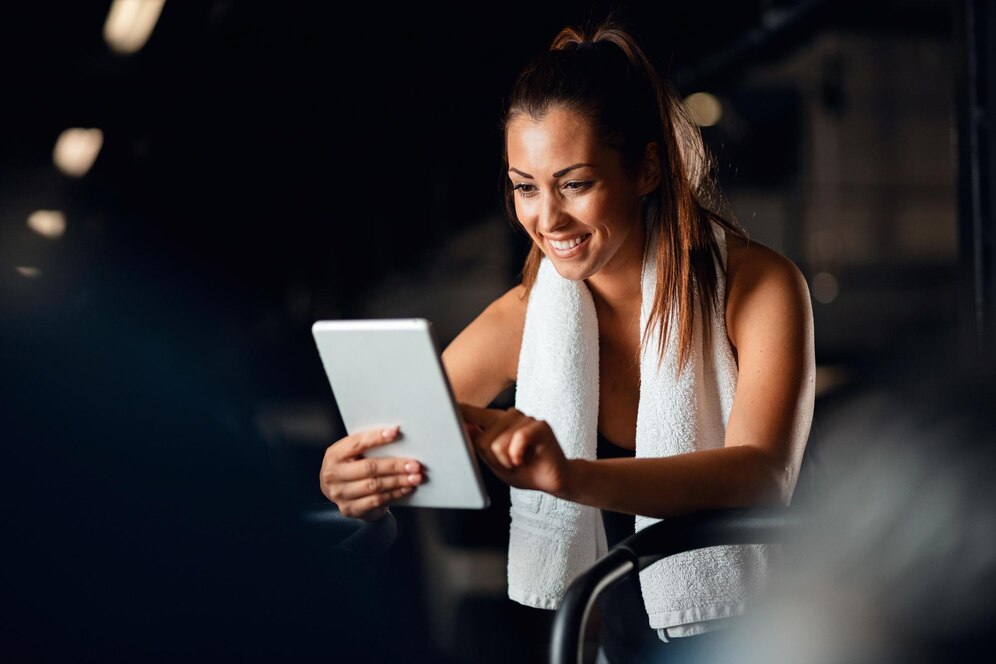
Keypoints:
pixel 737 476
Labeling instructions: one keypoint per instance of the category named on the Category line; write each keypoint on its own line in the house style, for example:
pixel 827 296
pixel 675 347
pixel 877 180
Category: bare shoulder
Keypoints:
pixel 763 284
pixel 483 359
pixel 505 316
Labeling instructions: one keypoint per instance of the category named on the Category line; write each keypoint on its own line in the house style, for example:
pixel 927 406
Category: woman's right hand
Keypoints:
pixel 362 487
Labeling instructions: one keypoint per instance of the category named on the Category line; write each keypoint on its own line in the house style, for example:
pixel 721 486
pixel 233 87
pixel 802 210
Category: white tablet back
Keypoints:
pixel 388 371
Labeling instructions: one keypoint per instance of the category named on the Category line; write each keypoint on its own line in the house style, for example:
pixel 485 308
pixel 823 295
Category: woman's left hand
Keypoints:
pixel 522 451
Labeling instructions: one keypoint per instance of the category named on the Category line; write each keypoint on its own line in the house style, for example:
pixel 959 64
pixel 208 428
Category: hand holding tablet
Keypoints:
pixel 363 487
pixel 387 375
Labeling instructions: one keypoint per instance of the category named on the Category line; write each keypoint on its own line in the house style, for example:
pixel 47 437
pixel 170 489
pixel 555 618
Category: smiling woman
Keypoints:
pixel 663 364
pixel 582 215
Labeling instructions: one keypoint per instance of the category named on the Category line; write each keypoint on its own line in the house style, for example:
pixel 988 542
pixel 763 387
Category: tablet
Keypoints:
pixel 389 371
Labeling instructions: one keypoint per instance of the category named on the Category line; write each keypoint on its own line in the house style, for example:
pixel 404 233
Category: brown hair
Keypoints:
pixel 601 73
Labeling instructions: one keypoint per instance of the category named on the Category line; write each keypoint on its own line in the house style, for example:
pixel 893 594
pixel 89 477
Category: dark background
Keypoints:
pixel 266 165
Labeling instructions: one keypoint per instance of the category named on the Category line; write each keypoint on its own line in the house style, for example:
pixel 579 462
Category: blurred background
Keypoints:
pixel 186 187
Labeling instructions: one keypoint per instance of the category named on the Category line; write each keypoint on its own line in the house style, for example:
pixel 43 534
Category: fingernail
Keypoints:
pixel 407 489
pixel 390 431
pixel 411 467
pixel 414 479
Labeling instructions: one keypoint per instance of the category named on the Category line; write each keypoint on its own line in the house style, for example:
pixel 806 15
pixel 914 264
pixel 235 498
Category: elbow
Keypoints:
pixel 772 482
pixel 780 477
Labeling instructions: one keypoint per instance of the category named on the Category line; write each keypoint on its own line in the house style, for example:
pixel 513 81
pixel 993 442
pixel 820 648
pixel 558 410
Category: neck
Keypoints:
pixel 617 288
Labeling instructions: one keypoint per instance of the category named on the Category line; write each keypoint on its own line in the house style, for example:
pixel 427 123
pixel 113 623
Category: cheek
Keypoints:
pixel 525 217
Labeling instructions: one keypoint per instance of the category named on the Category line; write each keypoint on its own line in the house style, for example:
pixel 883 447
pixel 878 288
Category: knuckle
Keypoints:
pixel 369 467
pixel 373 484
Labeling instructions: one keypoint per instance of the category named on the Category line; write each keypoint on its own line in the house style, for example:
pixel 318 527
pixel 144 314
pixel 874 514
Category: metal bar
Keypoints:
pixel 975 27
pixel 635 553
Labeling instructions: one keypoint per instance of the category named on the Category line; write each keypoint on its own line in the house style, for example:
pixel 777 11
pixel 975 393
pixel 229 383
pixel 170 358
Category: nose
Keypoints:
pixel 551 214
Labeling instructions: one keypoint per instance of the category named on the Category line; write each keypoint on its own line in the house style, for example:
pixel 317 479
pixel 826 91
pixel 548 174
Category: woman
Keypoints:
pixel 663 363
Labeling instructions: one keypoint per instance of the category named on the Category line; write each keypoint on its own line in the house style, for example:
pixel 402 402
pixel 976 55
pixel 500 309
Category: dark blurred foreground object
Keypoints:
pixel 145 519
pixel 892 561
pixel 357 543
pixel 900 566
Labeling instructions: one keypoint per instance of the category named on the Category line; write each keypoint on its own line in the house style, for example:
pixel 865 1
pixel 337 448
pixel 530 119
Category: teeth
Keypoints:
pixel 567 244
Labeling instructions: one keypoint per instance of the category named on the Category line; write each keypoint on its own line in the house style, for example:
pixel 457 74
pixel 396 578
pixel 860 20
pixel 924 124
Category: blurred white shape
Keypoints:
pixel 28 272
pixel 825 287
pixel 76 150
pixel 48 223
pixel 704 108
pixel 130 23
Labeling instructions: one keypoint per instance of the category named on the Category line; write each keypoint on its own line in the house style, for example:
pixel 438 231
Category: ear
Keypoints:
pixel 650 169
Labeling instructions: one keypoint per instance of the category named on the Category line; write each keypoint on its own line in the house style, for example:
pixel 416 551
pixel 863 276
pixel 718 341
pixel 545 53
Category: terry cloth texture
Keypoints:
pixel 552 540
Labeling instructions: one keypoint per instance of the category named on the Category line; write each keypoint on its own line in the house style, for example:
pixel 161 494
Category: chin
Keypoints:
pixel 572 272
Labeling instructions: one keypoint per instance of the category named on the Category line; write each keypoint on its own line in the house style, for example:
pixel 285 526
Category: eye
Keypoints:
pixel 578 185
pixel 525 189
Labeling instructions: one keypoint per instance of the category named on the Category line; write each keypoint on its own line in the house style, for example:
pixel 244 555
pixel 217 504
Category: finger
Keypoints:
pixel 471 430
pixel 498 446
pixel 498 436
pixel 376 501
pixel 522 441
pixel 356 444
pixel 374 485
pixel 484 451
pixel 361 469
pixel 509 419
pixel 484 417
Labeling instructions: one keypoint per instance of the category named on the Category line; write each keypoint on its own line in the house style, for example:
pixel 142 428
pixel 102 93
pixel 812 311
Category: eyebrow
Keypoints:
pixel 562 172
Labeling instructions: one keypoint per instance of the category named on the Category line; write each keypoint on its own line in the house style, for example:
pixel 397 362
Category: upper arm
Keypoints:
pixel 769 320
pixel 483 359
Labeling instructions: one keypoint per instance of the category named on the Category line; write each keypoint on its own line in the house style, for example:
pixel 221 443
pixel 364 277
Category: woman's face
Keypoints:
pixel 572 194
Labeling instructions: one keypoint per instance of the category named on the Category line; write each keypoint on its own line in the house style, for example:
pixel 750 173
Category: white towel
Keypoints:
pixel 552 540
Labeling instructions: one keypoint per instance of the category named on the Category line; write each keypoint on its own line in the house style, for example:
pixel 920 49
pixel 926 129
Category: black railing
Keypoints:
pixel 671 536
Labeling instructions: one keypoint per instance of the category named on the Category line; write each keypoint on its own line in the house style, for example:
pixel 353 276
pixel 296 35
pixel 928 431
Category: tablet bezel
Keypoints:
pixel 364 361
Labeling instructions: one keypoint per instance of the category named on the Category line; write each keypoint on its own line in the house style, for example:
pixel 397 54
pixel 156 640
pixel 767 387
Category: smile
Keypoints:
pixel 567 248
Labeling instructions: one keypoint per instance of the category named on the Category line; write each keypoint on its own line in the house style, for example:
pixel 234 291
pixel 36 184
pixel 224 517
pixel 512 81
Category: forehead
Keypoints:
pixel 558 139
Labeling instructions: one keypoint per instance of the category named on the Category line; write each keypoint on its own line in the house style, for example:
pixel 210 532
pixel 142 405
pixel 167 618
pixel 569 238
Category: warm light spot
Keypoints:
pixel 829 378
pixel 28 272
pixel 48 223
pixel 76 149
pixel 825 287
pixel 130 23
pixel 704 108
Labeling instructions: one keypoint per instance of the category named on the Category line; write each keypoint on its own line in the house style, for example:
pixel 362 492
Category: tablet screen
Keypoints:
pixel 389 371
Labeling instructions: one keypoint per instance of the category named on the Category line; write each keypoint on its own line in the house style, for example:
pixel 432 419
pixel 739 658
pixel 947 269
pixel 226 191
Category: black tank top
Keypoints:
pixel 618 526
